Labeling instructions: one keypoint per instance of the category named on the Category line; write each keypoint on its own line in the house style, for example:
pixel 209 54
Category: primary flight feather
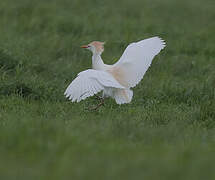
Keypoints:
pixel 115 80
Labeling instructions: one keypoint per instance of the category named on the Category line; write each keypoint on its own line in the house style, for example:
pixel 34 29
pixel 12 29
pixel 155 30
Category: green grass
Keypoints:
pixel 167 132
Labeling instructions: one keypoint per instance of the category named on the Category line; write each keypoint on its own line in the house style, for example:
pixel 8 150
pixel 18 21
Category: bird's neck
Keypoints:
pixel 97 62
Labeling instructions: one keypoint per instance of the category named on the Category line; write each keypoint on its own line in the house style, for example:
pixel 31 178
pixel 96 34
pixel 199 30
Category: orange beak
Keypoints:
pixel 84 46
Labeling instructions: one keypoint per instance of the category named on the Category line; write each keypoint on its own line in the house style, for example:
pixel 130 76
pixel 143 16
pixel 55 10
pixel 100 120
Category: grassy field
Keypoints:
pixel 166 133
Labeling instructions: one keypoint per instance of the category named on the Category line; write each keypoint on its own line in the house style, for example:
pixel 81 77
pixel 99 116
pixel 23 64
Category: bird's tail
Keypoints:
pixel 123 96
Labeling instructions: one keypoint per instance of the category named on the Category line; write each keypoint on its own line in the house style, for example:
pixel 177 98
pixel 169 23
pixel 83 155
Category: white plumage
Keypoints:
pixel 115 80
pixel 90 82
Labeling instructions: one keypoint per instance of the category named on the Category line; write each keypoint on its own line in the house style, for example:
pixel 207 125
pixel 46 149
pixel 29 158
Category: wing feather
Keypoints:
pixel 88 83
pixel 137 58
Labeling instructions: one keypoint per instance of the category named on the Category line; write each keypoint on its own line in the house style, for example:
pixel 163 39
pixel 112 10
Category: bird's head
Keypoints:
pixel 96 47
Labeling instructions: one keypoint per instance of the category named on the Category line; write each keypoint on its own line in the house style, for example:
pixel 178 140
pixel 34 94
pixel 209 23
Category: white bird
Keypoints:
pixel 114 80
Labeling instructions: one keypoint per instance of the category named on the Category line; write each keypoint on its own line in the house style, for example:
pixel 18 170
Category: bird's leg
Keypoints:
pixel 102 101
pixel 98 97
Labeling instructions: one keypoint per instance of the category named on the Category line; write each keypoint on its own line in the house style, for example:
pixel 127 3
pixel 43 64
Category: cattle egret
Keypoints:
pixel 114 80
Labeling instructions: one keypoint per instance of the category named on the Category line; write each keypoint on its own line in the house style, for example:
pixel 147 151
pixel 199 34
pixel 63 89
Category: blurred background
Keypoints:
pixel 167 132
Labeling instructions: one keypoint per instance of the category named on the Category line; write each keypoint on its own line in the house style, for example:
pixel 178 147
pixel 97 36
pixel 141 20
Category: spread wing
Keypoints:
pixel 88 83
pixel 137 58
